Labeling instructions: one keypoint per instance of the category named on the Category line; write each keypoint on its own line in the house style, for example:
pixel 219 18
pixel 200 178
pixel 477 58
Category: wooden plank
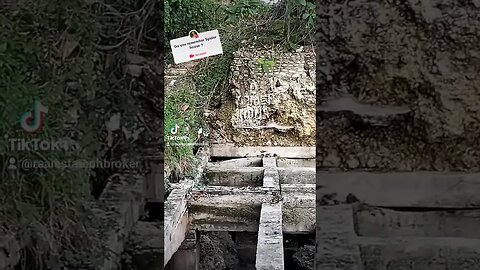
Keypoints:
pixel 381 222
pixel 241 176
pixel 270 253
pixel 416 189
pixel 229 150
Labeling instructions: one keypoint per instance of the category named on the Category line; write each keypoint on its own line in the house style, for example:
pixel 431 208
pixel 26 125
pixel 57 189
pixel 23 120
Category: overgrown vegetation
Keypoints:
pixel 183 126
pixel 288 25
pixel 69 55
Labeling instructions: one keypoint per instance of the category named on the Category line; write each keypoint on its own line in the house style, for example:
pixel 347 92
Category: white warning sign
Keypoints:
pixel 196 46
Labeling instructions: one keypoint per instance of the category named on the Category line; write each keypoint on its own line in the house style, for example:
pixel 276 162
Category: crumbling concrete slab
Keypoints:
pixel 420 253
pixel 336 249
pixel 228 212
pixel 296 162
pixel 231 151
pixel 123 202
pixel 270 253
pixel 238 209
pixel 297 175
pixel 239 176
pixel 238 162
pixel 144 250
pixel 382 222
pixel 415 189
pixel 176 222
pixel 299 213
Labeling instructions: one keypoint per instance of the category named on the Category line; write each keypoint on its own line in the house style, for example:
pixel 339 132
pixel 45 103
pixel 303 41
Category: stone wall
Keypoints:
pixel 274 90
pixel 421 54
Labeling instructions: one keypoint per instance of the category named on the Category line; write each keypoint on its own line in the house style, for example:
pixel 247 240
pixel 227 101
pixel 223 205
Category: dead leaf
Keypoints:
pixel 68 48
pixel 135 70
pixel 184 107
pixel 135 59
pixel 114 122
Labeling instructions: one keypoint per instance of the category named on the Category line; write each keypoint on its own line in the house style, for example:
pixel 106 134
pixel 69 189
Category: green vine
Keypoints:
pixel 266 64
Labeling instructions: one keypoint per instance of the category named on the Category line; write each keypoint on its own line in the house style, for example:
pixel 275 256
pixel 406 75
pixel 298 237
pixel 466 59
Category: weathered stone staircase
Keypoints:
pixel 267 190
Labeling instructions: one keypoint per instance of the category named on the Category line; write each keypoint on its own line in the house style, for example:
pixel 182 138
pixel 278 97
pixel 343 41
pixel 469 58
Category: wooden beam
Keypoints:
pixel 416 189
pixel 270 253
pixel 240 176
pixel 230 151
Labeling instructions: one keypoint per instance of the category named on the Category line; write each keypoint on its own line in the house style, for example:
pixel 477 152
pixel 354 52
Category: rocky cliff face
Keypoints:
pixel 424 55
pixel 273 97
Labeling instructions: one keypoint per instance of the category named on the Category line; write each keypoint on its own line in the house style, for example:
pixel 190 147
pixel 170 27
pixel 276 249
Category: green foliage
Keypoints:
pixel 51 207
pixel 244 9
pixel 291 23
pixel 181 16
pixel 182 109
pixel 309 13
pixel 266 64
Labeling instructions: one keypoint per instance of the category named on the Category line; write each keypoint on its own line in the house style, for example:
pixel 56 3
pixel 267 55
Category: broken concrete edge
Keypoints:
pixel 232 151
pixel 176 208
pixel 238 176
pixel 145 246
pixel 122 203
pixel 375 221
pixel 406 189
pixel 235 163
pixel 176 220
pixel 237 209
